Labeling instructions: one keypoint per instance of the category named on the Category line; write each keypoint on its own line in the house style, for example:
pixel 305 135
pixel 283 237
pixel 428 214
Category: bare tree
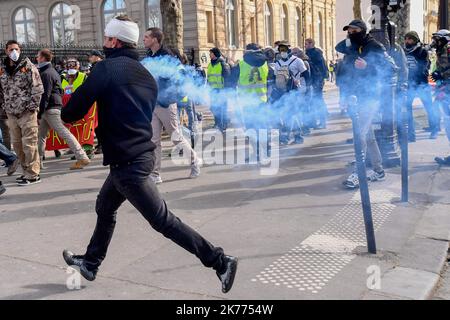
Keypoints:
pixel 172 22
pixel 357 9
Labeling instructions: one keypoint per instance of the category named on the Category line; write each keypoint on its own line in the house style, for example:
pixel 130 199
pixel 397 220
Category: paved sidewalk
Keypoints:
pixel 298 233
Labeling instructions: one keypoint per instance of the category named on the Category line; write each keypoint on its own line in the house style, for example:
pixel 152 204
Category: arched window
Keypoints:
pixel 112 8
pixel 153 14
pixel 231 22
pixel 320 25
pixel 62 27
pixel 284 22
pixel 268 23
pixel 25 25
pixel 298 26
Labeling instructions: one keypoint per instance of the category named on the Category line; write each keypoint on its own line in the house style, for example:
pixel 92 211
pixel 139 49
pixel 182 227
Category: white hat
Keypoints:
pixel 126 31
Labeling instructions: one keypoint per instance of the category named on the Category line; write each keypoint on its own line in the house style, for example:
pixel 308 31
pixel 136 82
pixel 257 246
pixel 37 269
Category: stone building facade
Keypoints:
pixel 227 24
pixel 431 18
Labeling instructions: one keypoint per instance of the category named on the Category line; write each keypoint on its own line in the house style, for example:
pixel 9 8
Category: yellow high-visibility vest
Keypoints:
pixel 215 78
pixel 253 80
pixel 78 81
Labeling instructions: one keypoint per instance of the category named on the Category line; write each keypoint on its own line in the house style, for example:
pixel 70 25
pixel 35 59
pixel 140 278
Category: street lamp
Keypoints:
pixel 384 31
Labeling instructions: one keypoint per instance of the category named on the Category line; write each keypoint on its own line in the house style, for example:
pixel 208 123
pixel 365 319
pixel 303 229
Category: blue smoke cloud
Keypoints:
pixel 184 80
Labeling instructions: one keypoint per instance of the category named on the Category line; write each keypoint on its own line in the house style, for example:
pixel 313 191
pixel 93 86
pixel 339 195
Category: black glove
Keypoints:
pixel 436 76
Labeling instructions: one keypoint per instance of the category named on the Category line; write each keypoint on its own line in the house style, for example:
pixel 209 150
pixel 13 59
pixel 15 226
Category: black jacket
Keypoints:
pixel 126 95
pixel 381 68
pixel 167 95
pixel 418 64
pixel 319 68
pixel 161 52
pixel 52 96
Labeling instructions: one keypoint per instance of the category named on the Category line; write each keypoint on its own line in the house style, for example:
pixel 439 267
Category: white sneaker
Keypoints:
pixel 195 168
pixel 376 176
pixel 352 181
pixel 156 178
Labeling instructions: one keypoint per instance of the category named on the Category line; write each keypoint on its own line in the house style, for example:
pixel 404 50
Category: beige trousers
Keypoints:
pixel 24 138
pixel 51 119
pixel 167 118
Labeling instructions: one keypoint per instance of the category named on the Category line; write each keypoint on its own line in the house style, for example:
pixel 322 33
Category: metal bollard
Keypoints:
pixel 404 148
pixel 362 176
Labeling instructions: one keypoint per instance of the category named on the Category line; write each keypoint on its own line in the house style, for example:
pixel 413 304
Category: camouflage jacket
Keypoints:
pixel 443 62
pixel 22 90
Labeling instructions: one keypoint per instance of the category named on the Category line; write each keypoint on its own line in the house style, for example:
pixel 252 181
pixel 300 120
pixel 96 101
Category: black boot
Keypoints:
pixel 78 261
pixel 71 259
pixel 227 276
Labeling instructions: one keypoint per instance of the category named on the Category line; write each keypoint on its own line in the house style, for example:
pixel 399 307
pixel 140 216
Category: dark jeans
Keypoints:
pixel 220 115
pixel 131 182
pixel 6 155
pixel 319 105
pixel 219 108
pixel 423 92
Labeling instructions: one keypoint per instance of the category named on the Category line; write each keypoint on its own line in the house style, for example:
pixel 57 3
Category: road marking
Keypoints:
pixel 319 258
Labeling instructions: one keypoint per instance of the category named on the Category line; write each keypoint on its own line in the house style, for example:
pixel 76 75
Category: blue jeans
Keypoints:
pixel 444 102
pixel 131 182
pixel 6 155
pixel 423 92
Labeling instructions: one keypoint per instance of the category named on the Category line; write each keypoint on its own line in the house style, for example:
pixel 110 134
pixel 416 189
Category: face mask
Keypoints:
pixel 357 38
pixel 72 72
pixel 409 46
pixel 284 55
pixel 14 55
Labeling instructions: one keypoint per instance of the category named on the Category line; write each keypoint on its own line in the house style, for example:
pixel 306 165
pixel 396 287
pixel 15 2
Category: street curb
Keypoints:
pixel 423 257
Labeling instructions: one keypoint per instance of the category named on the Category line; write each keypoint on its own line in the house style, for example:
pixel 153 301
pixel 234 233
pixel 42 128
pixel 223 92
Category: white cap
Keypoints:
pixel 126 31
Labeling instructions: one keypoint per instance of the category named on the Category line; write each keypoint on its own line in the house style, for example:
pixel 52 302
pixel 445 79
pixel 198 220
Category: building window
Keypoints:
pixel 210 26
pixel 231 22
pixel 268 23
pixel 154 19
pixel 298 26
pixel 320 24
pixel 112 8
pixel 284 22
pixel 25 25
pixel 62 31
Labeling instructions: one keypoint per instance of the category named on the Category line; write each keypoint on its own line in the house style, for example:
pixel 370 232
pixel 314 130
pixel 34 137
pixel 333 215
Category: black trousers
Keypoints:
pixel 131 182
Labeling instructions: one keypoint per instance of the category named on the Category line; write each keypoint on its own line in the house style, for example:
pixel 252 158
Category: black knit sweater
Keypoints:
pixel 125 93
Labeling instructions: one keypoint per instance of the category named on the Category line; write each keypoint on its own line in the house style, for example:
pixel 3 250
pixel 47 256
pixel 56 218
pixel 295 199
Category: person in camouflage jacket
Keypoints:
pixel 21 90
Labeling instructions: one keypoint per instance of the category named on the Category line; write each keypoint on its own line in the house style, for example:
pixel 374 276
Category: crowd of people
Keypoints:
pixel 369 69
pixel 277 87
pixel 31 99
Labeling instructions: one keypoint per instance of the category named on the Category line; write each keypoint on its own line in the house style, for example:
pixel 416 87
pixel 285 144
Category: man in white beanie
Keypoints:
pixel 126 95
